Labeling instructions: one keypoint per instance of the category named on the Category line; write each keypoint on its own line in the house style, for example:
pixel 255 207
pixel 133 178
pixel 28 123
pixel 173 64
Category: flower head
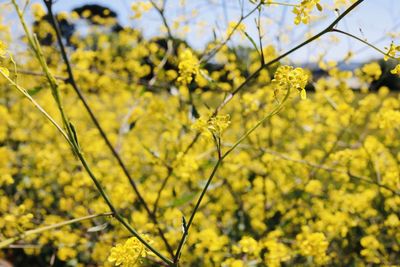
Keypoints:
pixel 396 70
pixel 38 11
pixel 392 50
pixel 303 11
pixel 288 77
pixel 188 67
pixel 128 254
pixel 313 244
pixel 214 125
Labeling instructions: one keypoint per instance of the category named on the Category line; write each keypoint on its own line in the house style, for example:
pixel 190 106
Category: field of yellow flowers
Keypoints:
pixel 121 150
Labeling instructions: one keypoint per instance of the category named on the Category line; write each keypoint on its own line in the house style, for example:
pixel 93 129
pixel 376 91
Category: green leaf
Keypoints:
pixel 252 41
pixel 34 90
pixel 182 200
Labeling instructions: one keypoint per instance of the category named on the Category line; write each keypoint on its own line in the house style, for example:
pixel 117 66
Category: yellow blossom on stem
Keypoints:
pixel 392 50
pixel 128 254
pixel 247 245
pixel 303 11
pixel 287 77
pixel 371 248
pixel 396 70
pixel 277 253
pixel 214 125
pixel 188 66
pixel 314 245
pixel 235 26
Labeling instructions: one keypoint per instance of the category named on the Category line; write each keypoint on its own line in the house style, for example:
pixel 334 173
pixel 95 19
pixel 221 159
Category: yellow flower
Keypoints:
pixel 303 11
pixel 38 11
pixel 66 253
pixel 247 245
pixel 277 253
pixel 286 77
pixel 188 66
pixel 371 246
pixel 234 26
pixel 215 125
pixel 392 50
pixel 6 179
pixel 313 244
pixel 373 70
pixel 128 254
pixel 139 8
pixel 396 70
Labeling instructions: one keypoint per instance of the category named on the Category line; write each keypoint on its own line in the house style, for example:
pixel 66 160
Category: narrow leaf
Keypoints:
pixel 182 200
pixel 33 91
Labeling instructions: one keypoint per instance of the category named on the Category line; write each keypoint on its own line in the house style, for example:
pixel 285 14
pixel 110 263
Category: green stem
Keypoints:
pixel 72 81
pixel 252 129
pixel 161 12
pixel 9 241
pixel 196 207
pixel 364 42
pixel 236 91
pixel 72 135
pixel 214 171
pixel 36 104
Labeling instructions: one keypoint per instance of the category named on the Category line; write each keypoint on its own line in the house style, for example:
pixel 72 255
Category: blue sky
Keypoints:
pixel 372 20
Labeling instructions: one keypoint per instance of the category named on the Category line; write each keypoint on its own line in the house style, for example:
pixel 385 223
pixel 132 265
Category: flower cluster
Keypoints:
pixel 313 244
pixel 304 9
pixel 128 254
pixel 140 7
pixel 396 70
pixel 392 51
pixel 188 67
pixel 287 77
pixel 318 178
pixel 234 27
pixel 215 125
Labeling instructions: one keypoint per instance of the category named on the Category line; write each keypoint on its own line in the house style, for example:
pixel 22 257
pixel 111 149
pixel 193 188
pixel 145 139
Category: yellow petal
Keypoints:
pixel 303 94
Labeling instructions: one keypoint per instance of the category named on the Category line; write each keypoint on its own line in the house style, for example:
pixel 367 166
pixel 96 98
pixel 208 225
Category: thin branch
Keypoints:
pixel 9 241
pixel 329 28
pixel 229 97
pixel 164 183
pixel 207 57
pixel 364 42
pixel 160 11
pixel 40 108
pixel 71 132
pixel 71 80
pixel 221 157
